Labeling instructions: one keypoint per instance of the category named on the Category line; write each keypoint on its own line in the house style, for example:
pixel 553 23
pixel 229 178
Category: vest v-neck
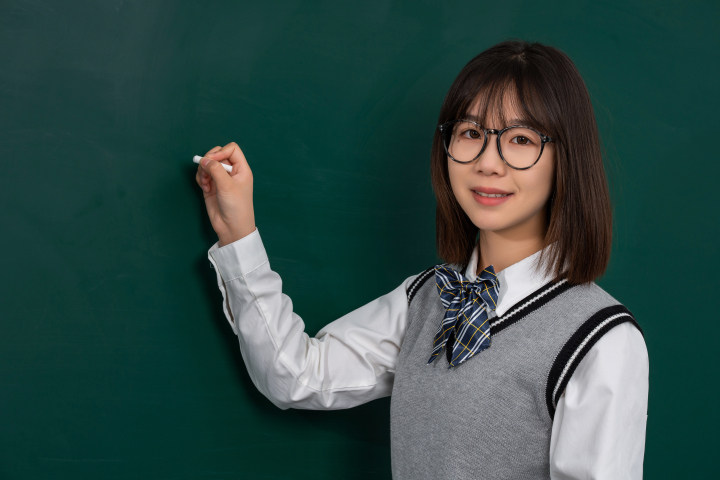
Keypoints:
pixel 517 282
pixel 528 304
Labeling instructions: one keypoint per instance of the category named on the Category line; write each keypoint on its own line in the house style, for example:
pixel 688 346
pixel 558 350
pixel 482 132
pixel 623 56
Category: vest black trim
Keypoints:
pixel 529 304
pixel 418 282
pixel 577 347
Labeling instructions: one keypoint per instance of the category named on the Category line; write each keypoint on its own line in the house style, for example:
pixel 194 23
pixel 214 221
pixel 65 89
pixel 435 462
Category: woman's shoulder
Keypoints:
pixel 603 305
pixel 593 289
pixel 591 309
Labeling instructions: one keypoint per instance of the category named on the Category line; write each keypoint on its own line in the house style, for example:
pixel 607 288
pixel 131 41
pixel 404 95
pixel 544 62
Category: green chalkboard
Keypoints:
pixel 116 360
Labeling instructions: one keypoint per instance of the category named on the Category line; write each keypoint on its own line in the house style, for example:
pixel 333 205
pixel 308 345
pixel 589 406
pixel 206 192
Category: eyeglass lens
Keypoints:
pixel 520 146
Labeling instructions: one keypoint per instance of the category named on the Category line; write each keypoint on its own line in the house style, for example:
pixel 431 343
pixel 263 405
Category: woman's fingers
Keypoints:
pixel 234 156
pixel 203 174
pixel 202 177
pixel 213 150
pixel 230 154
pixel 221 179
pixel 202 180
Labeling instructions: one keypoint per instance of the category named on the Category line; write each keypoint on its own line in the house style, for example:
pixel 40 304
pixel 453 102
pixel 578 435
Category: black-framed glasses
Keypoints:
pixel 520 147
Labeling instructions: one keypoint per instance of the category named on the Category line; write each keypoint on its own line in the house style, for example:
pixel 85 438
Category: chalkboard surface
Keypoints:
pixel 116 360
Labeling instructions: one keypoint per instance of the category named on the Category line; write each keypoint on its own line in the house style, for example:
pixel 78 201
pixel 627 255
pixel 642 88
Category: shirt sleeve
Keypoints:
pixel 349 362
pixel 598 431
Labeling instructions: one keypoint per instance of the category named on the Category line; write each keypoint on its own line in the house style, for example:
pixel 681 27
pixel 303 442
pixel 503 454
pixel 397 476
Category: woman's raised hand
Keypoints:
pixel 228 196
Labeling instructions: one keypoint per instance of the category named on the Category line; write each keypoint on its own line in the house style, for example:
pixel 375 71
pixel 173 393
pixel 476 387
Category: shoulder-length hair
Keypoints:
pixel 545 86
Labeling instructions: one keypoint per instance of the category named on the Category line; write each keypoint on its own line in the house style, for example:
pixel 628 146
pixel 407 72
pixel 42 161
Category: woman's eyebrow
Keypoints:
pixel 512 121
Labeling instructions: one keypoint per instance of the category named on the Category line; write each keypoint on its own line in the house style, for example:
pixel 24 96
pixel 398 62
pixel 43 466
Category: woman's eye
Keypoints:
pixel 472 134
pixel 520 140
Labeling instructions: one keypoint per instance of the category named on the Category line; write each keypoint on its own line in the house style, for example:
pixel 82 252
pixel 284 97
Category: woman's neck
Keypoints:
pixel 504 248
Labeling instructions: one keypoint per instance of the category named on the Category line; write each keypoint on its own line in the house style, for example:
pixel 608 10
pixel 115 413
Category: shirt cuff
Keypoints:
pixel 240 257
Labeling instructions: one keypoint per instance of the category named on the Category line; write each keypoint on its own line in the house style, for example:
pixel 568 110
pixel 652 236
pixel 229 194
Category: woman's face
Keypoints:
pixel 522 212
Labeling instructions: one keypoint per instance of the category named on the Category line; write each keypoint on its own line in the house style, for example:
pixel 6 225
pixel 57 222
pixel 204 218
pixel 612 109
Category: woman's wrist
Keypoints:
pixel 235 236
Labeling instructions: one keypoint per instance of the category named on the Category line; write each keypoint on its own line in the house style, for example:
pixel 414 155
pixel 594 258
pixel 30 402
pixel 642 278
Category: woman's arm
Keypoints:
pixel 350 361
pixel 599 427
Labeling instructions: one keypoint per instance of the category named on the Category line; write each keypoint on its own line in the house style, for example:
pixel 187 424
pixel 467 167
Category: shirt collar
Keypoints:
pixel 516 281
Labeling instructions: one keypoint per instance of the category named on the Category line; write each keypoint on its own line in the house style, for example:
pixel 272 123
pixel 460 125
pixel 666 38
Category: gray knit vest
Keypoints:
pixel 491 416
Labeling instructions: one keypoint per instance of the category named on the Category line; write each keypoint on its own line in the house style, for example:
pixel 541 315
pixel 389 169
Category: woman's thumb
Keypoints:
pixel 217 172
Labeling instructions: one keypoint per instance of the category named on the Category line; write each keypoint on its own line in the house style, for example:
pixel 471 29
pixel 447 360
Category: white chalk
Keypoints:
pixel 228 168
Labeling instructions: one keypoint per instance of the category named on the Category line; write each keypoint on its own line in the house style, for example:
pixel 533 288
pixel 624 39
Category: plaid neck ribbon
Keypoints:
pixel 467 304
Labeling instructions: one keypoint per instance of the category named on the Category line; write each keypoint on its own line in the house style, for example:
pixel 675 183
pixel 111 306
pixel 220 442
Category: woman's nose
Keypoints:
pixel 490 161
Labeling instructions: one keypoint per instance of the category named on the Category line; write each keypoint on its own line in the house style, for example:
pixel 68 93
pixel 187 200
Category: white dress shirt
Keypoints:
pixel 599 425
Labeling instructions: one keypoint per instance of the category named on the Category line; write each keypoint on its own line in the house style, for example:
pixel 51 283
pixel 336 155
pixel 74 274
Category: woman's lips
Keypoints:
pixel 490 201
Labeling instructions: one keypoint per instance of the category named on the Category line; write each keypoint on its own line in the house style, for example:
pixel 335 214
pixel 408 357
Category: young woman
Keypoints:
pixel 506 362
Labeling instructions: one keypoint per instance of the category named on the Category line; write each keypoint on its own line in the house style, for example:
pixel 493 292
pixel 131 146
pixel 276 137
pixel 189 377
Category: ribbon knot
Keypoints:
pixel 465 324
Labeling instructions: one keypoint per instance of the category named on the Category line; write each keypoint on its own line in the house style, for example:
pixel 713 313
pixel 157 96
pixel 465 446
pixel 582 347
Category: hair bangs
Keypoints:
pixel 507 99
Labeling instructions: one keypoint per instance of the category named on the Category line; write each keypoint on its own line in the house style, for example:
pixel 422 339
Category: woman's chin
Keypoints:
pixel 490 226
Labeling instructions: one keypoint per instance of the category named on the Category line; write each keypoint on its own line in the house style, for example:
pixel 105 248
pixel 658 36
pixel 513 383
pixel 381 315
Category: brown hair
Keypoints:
pixel 548 89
